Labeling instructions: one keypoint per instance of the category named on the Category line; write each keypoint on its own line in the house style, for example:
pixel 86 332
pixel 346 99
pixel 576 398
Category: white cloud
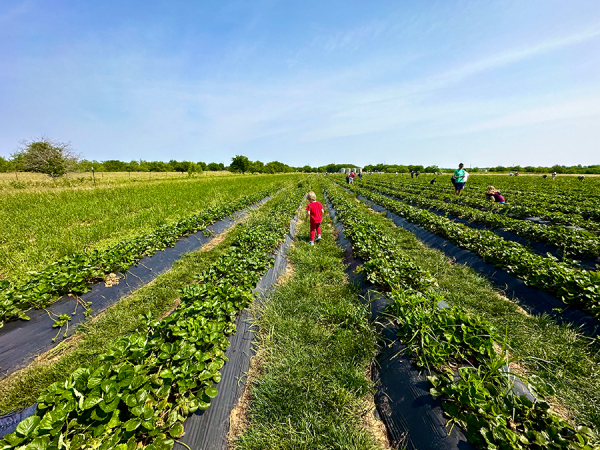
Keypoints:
pixel 578 108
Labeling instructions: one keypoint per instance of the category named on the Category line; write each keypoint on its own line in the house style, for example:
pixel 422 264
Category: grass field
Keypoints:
pixel 37 228
pixel 19 181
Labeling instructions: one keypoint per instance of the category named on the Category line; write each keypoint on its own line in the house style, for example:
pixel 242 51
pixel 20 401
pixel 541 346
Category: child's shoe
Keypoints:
pixel 312 242
pixel 318 238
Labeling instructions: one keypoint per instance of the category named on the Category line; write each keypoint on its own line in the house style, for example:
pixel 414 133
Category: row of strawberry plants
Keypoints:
pixel 478 396
pixel 73 274
pixel 383 266
pixel 573 286
pixel 477 200
pixel 138 394
pixel 573 243
pixel 536 194
pixel 474 380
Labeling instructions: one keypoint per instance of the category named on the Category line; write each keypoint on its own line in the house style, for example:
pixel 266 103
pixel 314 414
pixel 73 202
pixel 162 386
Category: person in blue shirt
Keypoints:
pixel 459 179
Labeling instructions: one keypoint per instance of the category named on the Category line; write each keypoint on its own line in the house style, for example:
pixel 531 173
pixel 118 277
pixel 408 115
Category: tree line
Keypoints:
pixel 56 159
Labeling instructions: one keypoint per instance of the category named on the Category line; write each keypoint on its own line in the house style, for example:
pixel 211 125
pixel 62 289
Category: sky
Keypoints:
pixel 313 82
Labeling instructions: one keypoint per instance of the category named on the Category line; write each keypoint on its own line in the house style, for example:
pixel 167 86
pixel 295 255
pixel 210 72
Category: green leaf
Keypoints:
pixel 167 373
pixel 177 430
pixel 39 443
pixel 133 424
pixel 13 439
pixel 28 425
pixel 211 392
pixel 91 400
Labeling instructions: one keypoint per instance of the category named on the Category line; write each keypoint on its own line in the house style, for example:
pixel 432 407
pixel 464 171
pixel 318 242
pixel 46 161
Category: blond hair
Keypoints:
pixel 490 190
pixel 311 196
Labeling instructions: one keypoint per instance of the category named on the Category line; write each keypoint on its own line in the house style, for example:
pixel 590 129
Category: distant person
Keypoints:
pixel 581 177
pixel 494 195
pixel 510 174
pixel 396 173
pixel 545 176
pixel 553 175
pixel 417 174
pixel 434 181
pixel 517 173
pixel 360 176
pixel 459 179
pixel 348 179
pixel 315 211
pixel 352 175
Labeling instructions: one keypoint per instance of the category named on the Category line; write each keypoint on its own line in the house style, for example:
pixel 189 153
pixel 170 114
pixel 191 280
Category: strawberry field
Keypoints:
pixel 471 348
pixel 142 373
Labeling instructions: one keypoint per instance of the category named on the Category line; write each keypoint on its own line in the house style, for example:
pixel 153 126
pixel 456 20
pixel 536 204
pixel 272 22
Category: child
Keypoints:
pixel 315 212
pixel 494 195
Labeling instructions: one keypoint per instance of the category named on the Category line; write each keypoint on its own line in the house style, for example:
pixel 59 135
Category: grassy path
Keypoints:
pixel 315 348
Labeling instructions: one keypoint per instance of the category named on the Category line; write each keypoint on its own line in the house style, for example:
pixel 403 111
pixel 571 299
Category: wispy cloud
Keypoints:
pixel 351 39
pixel 513 56
pixel 572 109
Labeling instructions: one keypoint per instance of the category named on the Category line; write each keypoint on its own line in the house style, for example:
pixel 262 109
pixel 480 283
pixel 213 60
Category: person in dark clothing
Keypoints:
pixel 434 181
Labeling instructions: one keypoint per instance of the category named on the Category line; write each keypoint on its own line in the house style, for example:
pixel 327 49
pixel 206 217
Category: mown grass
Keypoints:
pixel 557 353
pixel 95 337
pixel 316 345
pixel 31 181
pixel 36 229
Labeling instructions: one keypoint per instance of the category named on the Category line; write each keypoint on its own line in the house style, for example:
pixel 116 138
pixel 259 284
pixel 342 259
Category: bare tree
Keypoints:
pixel 45 156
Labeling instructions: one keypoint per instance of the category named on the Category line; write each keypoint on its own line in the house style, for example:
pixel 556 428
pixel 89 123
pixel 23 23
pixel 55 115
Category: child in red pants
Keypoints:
pixel 315 211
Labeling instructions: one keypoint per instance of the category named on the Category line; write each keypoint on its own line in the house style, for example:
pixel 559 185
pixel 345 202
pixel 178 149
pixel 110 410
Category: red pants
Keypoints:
pixel 314 227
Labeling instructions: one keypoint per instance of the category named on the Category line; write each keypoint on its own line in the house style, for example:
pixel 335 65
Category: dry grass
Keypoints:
pixel 238 418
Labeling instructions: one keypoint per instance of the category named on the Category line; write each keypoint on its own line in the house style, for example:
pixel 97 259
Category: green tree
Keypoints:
pixel 240 164
pixel 4 165
pixel 45 156
pixel 114 165
pixel 215 167
pixel 257 166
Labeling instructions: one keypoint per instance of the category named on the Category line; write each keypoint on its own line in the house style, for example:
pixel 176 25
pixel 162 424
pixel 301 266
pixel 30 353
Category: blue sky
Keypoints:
pixel 311 82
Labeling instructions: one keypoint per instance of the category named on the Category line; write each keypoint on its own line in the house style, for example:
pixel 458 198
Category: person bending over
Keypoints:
pixel 315 211
pixel 494 195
